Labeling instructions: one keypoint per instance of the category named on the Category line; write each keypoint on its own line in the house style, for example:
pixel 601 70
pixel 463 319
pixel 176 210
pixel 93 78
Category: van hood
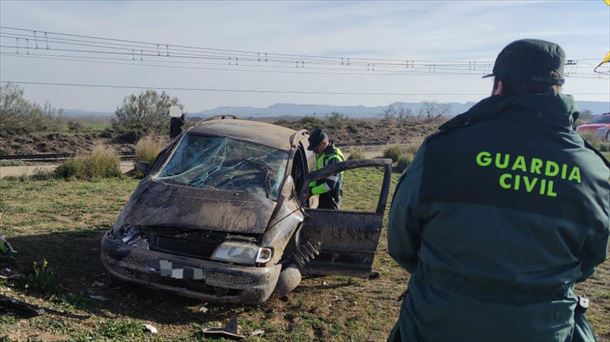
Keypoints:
pixel 156 203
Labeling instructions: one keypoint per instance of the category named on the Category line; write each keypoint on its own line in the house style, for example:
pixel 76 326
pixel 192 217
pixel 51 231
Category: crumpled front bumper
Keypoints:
pixel 207 280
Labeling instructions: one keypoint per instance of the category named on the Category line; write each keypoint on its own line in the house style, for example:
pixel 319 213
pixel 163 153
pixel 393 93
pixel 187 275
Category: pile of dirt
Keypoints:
pixel 362 132
pixel 344 132
pixel 57 142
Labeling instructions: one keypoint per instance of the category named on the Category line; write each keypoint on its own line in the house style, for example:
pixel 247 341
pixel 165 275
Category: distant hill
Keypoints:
pixel 75 113
pixel 289 109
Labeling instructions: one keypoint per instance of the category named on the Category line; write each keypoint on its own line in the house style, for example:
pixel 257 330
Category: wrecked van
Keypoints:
pixel 223 215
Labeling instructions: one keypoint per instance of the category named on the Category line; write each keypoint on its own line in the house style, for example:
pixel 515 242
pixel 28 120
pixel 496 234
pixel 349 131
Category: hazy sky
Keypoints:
pixel 431 30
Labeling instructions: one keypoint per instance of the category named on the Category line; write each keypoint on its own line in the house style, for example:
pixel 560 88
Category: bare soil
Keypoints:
pixel 344 132
pixel 57 142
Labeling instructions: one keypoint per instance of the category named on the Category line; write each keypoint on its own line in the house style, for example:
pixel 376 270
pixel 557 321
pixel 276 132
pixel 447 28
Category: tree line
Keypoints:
pixel 138 115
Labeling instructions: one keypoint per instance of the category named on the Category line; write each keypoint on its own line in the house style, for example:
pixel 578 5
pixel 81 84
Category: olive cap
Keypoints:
pixel 316 136
pixel 531 60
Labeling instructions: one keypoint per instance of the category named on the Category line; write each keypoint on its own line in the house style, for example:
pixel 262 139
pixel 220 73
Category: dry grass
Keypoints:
pixel 148 148
pixel 102 162
pixel 356 154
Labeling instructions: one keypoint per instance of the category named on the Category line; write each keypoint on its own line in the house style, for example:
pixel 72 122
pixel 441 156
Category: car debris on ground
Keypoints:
pixel 98 297
pixel 9 274
pixel 5 247
pixel 10 306
pixel 150 328
pixel 228 331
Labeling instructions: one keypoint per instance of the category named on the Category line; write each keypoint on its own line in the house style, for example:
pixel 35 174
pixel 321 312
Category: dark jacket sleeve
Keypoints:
pixel 595 251
pixel 404 227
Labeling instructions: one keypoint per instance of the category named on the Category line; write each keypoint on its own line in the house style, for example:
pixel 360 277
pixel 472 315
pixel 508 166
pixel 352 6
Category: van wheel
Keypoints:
pixel 289 279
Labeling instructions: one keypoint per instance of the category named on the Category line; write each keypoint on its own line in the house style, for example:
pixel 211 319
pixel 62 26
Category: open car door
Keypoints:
pixel 348 239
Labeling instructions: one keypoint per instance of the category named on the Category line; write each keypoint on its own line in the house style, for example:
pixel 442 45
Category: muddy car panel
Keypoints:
pixel 168 235
pixel 162 204
pixel 191 277
pixel 348 239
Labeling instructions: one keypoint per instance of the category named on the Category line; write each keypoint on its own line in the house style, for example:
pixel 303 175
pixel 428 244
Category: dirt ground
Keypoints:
pixel 347 132
pixel 62 222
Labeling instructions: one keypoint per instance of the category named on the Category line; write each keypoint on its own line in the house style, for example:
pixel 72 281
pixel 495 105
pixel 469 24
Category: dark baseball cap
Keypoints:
pixel 532 60
pixel 315 137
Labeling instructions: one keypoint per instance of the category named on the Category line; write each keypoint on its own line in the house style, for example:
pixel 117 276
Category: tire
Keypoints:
pixel 289 279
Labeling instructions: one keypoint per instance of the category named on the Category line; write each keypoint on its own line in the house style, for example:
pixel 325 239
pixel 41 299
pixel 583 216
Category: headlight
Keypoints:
pixel 241 253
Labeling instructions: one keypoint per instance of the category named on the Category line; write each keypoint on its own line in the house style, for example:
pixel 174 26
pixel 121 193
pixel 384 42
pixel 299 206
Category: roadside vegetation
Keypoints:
pixel 18 115
pixel 143 114
pixel 62 222
pixel 30 128
pixel 148 148
pixel 600 144
pixel 102 162
pixel 356 154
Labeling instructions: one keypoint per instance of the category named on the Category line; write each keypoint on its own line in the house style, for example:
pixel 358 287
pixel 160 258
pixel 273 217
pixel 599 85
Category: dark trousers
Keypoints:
pixel 330 202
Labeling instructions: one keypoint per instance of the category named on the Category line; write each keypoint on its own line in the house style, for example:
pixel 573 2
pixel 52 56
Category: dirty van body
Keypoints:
pixel 224 210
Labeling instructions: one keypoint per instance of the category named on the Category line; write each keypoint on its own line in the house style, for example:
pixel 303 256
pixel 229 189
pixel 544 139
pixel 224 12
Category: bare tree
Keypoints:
pixel 432 111
pixel 389 113
pixel 404 115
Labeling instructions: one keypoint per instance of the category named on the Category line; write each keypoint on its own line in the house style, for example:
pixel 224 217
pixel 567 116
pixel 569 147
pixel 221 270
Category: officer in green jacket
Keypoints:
pixel 502 212
pixel 330 189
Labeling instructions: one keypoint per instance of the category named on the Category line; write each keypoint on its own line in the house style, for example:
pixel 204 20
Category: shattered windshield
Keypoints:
pixel 227 164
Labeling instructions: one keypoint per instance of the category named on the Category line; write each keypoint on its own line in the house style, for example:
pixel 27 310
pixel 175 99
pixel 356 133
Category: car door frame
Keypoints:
pixel 346 240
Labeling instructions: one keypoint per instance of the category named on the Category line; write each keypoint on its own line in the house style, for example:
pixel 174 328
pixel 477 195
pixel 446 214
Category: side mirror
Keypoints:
pixel 143 167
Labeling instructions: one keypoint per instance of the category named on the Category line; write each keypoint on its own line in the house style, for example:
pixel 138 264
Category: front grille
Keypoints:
pixel 198 244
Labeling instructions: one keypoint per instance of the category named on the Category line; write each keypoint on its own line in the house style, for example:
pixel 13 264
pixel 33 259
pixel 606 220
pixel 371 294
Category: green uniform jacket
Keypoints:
pixel 329 188
pixel 499 214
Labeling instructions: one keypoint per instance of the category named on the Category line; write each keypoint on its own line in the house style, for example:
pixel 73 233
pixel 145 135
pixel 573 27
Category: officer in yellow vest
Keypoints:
pixel 330 189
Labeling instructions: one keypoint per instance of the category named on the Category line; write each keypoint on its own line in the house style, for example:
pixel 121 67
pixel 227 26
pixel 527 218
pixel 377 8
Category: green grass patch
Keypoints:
pixel 62 222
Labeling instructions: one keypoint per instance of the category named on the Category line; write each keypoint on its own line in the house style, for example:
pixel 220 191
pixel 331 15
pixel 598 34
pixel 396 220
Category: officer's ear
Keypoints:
pixel 498 87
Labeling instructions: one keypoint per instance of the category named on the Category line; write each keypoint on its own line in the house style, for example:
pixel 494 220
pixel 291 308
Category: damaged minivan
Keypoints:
pixel 224 214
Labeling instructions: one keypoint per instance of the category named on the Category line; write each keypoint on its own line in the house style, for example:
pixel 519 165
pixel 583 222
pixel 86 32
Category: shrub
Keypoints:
pixel 393 153
pixel 147 149
pixel 412 147
pixel 336 120
pixel 356 154
pixel 404 162
pixel 309 122
pixel 18 115
pixel 592 139
pixel 41 279
pixel 75 126
pixel 102 162
pixel 142 114
pixel 71 168
pixel 41 174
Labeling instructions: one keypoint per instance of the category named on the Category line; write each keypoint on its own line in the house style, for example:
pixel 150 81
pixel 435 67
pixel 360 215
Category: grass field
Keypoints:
pixel 62 222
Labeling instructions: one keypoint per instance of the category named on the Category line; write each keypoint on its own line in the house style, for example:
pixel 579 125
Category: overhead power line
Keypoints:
pixel 21 43
pixel 254 91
